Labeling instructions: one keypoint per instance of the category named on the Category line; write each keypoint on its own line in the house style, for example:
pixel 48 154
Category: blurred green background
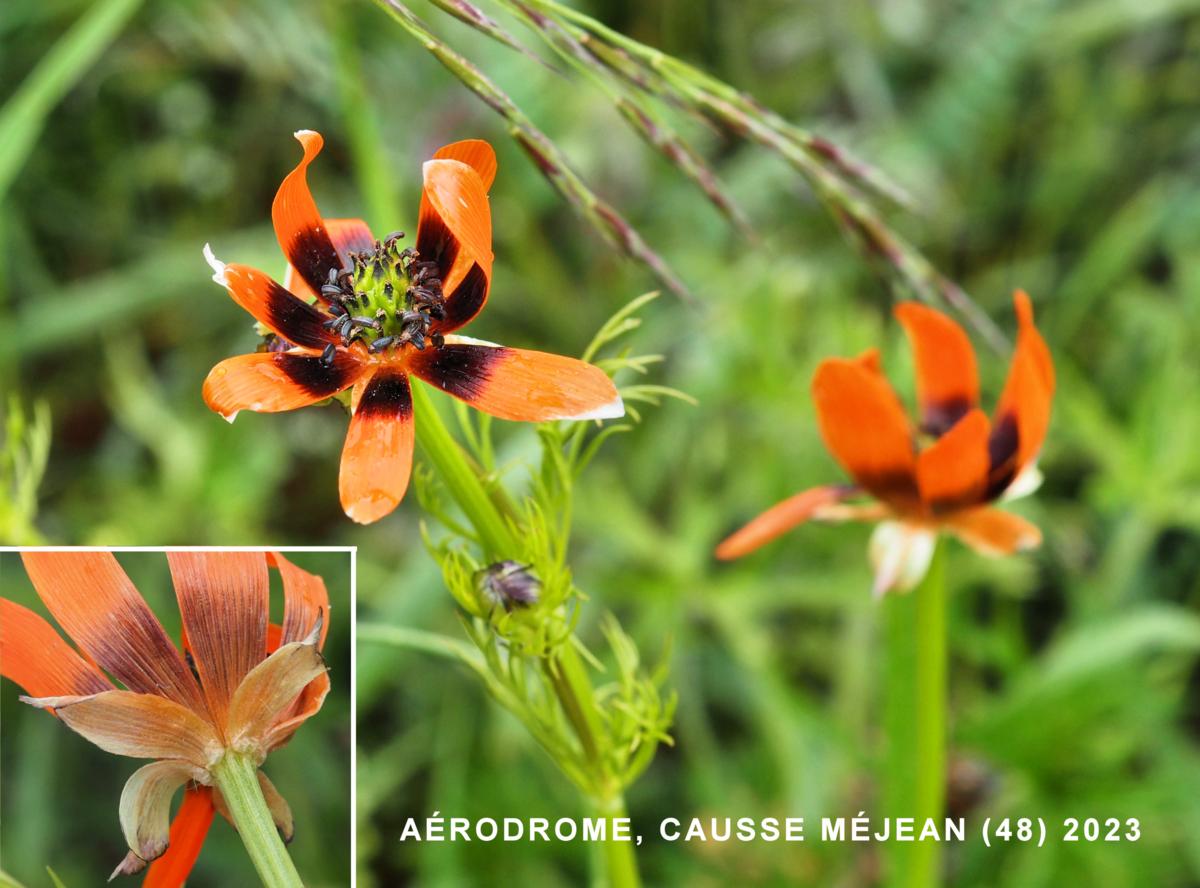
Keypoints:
pixel 59 794
pixel 1050 145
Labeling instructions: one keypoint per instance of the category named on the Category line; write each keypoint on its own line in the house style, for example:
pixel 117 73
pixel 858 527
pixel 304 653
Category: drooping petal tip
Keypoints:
pixel 217 266
pixel 131 865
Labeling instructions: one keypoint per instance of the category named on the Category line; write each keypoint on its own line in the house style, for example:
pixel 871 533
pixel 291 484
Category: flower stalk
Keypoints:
pixel 619 866
pixel 460 478
pixel 506 567
pixel 616 866
pixel 237 778
pixel 564 670
pixel 915 715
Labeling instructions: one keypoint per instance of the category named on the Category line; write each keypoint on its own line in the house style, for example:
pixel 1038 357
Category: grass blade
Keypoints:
pixel 25 112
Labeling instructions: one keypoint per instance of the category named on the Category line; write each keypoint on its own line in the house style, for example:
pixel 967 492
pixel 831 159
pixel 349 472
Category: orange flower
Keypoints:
pixel 355 311
pixel 945 485
pixel 242 685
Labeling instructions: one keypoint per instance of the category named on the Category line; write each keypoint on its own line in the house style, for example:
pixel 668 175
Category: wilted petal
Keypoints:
pixel 306 706
pixel 224 600
pixel 34 656
pixel 268 690
pixel 188 831
pixel 130 865
pixel 146 806
pixel 137 725
pixel 95 603
pixel 305 601
pixel 281 813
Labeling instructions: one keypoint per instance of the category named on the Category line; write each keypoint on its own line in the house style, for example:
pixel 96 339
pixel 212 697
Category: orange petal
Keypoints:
pixel 348 236
pixel 455 225
pixel 993 532
pixel 377 456
pixel 465 301
pixel 138 725
pixel 952 472
pixel 947 378
pixel 779 519
pixel 476 154
pixel 864 427
pixel 34 656
pixel 268 691
pixel 188 832
pixel 95 603
pixel 305 600
pixel 146 806
pixel 270 382
pixel 224 598
pixel 1023 413
pixel 274 307
pixel 513 383
pixel 302 234
pixel 869 360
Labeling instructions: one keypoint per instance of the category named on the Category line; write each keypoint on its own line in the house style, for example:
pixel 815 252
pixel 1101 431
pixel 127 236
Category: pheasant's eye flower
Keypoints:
pixel 965 463
pixel 242 686
pixel 358 312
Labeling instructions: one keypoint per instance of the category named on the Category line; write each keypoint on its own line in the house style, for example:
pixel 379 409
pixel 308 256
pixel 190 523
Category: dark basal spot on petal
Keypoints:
pixel 436 243
pixel 1002 454
pixel 938 417
pixel 311 252
pixel 316 378
pixel 460 369
pixel 387 397
pixel 299 321
pixel 897 486
pixel 466 300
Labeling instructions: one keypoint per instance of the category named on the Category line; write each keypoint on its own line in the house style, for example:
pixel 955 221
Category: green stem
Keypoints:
pixel 618 866
pixel 236 776
pixel 613 863
pixel 615 866
pixel 460 478
pixel 915 715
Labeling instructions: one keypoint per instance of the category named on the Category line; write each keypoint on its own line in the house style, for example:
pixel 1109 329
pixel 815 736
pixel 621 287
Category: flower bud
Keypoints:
pixel 508 584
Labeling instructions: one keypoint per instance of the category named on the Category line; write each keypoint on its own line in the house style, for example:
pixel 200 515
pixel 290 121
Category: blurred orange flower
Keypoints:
pixel 240 685
pixel 947 484
pixel 356 311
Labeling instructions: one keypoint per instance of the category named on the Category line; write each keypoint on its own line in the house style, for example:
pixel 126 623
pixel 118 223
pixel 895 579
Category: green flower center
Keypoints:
pixel 388 299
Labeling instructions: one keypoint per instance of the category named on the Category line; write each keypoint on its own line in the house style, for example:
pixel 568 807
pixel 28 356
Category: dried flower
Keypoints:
pixel 240 686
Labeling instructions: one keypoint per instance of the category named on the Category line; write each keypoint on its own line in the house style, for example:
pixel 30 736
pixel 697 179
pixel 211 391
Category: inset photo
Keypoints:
pixel 172 716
